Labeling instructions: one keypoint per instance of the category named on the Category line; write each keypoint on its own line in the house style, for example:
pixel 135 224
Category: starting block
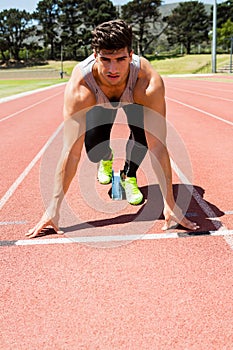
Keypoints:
pixel 118 192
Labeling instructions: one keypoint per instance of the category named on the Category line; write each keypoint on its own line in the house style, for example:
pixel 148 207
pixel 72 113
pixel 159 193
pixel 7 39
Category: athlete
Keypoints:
pixel 111 78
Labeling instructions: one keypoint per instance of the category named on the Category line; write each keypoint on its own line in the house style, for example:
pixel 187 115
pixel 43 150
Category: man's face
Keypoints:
pixel 113 65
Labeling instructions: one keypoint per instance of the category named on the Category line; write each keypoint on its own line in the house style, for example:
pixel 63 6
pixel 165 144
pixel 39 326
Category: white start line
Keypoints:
pixel 118 238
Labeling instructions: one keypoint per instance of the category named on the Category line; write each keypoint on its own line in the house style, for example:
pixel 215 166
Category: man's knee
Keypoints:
pixel 93 156
pixel 97 152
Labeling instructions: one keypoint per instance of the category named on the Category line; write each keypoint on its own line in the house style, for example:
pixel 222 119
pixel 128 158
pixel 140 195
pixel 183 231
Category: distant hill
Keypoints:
pixel 167 9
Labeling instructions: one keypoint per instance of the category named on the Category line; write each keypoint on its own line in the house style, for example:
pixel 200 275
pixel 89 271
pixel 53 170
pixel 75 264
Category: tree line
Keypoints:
pixel 64 26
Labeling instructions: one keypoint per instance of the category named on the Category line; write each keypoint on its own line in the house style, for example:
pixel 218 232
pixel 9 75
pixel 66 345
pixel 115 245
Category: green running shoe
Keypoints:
pixel 133 195
pixel 104 175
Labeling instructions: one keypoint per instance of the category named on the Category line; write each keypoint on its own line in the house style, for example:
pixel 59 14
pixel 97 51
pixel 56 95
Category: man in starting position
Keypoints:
pixel 111 78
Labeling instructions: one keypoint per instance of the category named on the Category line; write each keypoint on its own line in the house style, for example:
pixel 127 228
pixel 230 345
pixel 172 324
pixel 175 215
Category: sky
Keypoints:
pixel 30 5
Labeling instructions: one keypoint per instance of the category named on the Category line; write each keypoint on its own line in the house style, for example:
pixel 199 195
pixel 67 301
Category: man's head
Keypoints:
pixel 112 35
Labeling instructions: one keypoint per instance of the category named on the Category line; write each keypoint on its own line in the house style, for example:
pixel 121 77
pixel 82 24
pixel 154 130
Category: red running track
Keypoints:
pixel 147 289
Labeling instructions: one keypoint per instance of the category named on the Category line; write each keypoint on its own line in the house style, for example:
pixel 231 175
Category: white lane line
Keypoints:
pixel 27 93
pixel 221 229
pixel 198 198
pixel 200 94
pixel 6 223
pixel 22 176
pixel 201 111
pixel 31 106
pixel 229 240
pixel 206 86
pixel 117 238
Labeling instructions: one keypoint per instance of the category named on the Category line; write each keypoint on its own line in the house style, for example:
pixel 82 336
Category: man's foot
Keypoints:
pixel 104 175
pixel 132 192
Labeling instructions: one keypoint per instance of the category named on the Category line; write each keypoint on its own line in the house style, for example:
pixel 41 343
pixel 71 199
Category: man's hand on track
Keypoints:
pixel 178 219
pixel 43 224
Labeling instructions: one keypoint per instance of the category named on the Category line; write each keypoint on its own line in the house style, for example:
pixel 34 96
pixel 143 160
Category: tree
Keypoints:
pixel 225 33
pixel 3 48
pixel 188 24
pixel 47 13
pixel 95 12
pixel 15 28
pixel 78 19
pixel 70 20
pixel 143 14
pixel 224 11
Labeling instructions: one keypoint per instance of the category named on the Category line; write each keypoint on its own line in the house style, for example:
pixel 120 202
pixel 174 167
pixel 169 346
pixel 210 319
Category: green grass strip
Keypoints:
pixel 13 87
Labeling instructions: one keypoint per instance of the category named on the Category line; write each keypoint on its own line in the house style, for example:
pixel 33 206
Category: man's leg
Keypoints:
pixel 136 149
pixel 99 122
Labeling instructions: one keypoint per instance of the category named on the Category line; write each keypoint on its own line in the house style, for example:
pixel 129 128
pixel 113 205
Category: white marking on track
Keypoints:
pixel 31 106
pixel 117 238
pixel 229 240
pixel 201 94
pixel 228 212
pixel 198 198
pixel 208 84
pixel 31 92
pixel 201 111
pixel 6 223
pixel 22 176
pixel 221 229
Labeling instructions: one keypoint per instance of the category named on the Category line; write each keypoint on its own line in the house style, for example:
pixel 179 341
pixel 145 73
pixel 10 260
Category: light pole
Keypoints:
pixel 214 38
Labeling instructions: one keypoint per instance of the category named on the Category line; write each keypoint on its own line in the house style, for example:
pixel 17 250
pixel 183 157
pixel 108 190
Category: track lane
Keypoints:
pixel 212 87
pixel 144 295
pixel 10 105
pixel 25 133
pixel 211 144
pixel 156 295
pixel 208 103
pixel 205 93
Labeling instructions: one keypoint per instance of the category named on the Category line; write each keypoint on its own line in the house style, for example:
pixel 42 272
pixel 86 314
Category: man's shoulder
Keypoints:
pixel 76 81
pixel 149 85
pixel 136 59
pixel 145 65
pixel 77 94
pixel 147 71
pixel 86 65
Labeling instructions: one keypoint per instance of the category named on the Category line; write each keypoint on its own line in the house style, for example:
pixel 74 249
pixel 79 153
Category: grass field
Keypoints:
pixel 188 64
pixel 13 87
pixel 183 65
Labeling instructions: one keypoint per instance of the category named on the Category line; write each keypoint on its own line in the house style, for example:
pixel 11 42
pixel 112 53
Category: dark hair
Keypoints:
pixel 112 35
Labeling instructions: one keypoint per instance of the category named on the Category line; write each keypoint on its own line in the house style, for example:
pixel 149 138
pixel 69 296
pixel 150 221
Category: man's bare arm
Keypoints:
pixel 65 171
pixel 153 99
pixel 76 104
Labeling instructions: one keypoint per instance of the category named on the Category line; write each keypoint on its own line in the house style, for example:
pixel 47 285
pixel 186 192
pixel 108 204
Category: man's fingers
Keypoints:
pixel 166 224
pixel 169 223
pixel 189 224
pixel 40 227
pixel 56 228
pixel 35 231
pixel 32 232
pixel 32 235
